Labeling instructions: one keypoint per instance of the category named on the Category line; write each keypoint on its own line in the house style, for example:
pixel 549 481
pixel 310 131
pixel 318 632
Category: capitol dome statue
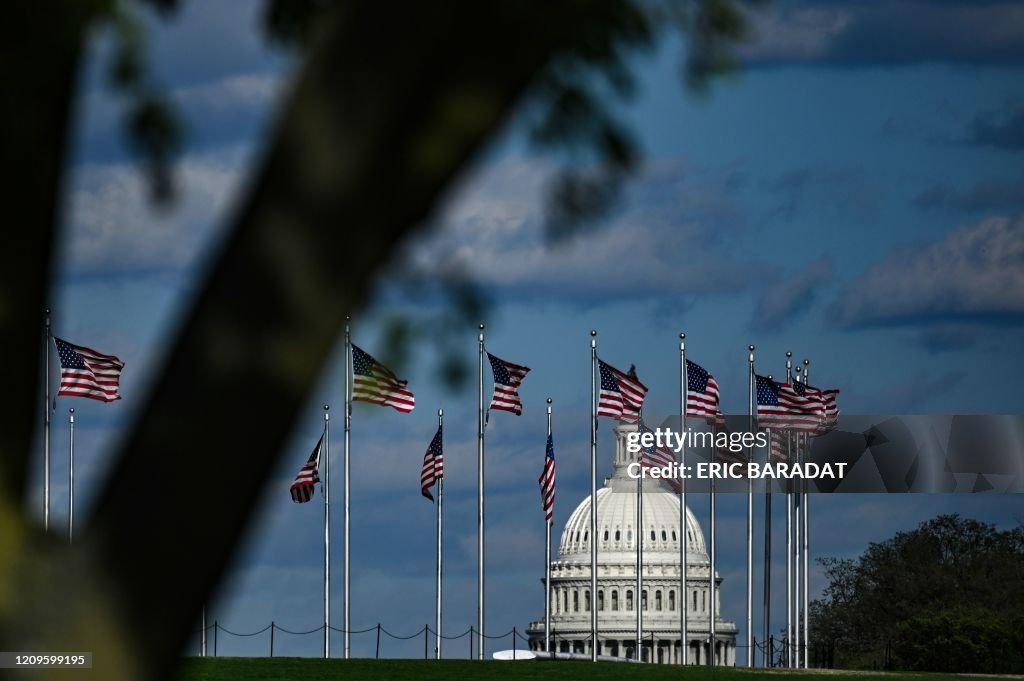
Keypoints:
pixel 616 577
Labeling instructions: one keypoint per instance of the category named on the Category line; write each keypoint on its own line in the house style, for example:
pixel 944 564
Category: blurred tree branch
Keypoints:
pixel 390 103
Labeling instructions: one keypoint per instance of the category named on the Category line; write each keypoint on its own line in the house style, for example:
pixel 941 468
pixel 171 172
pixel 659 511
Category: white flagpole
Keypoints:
pixel 684 648
pixel 325 485
pixel 766 657
pixel 713 587
pixel 807 548
pixel 547 560
pixel 789 534
pixel 346 454
pixel 593 498
pixel 480 498
pixel 71 475
pixel 46 422
pixel 440 553
pixel 639 566
pixel 750 523
pixel 797 565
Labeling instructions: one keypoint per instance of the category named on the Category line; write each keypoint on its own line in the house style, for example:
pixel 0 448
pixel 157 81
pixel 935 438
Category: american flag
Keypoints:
pixel 656 457
pixel 433 465
pixel 309 475
pixel 652 457
pixel 621 395
pixel 830 407
pixel 507 377
pixel 87 373
pixel 702 393
pixel 778 447
pixel 547 483
pixel 373 382
pixel 781 405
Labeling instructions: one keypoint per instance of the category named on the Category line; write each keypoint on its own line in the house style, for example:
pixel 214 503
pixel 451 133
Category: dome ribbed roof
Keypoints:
pixel 616 526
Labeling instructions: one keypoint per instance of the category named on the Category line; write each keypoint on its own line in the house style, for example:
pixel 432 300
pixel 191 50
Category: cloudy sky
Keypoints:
pixel 854 194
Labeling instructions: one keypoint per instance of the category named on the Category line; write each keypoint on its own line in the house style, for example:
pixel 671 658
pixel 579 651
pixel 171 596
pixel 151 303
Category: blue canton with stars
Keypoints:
pixel 696 377
pixel 608 381
pixel 501 374
pixel 767 391
pixel 69 359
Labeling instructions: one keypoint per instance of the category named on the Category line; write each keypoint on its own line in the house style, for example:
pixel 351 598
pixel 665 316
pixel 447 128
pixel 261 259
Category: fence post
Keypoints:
pixel 376 655
pixel 426 637
pixel 215 627
pixel 471 642
pixel 271 638
pixel 513 642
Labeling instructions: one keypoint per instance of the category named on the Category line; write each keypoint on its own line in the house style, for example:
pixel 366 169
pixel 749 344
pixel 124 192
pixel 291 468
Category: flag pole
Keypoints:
pixel 593 497
pixel 766 631
pixel 547 562
pixel 750 520
pixel 326 486
pixel 46 421
pixel 684 648
pixel 789 534
pixel 807 548
pixel 713 609
pixel 639 561
pixel 71 475
pixel 440 554
pixel 797 566
pixel 346 454
pixel 480 498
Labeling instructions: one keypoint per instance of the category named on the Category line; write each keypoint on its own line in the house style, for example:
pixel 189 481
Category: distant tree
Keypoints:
pixel 947 596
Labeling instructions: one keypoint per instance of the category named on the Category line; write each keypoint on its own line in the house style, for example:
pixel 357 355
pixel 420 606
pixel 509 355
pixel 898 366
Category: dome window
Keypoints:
pixel 629 599
pixel 618 535
pixel 664 537
pixel 654 536
pixel 673 535
pixel 606 535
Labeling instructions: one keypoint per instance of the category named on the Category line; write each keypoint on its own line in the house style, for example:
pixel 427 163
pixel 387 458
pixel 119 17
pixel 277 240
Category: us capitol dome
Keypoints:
pixel 616 576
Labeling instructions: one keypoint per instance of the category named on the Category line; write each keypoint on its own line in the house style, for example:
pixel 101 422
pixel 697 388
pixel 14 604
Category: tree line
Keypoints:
pixel 947 596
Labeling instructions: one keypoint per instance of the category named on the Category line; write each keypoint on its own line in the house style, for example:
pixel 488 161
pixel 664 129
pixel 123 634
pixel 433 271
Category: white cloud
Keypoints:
pixel 798 34
pixel 112 226
pixel 230 94
pixel 975 273
pixel 669 236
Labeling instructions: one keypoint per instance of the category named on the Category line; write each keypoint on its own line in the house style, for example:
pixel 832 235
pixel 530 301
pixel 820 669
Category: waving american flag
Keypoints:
pixel 87 373
pixel 507 377
pixel 433 464
pixel 622 394
pixel 373 382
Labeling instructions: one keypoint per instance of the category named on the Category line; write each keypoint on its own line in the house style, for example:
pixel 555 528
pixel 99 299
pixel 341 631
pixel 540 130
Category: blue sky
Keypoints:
pixel 854 194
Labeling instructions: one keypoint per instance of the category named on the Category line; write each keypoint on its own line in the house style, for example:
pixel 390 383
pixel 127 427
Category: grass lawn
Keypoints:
pixel 311 669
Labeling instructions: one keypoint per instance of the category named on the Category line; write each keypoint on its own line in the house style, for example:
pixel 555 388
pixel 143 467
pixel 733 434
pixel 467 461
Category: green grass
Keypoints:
pixel 310 669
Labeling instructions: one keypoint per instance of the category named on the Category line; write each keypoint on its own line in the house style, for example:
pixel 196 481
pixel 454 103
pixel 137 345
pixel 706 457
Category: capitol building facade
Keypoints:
pixel 616 577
